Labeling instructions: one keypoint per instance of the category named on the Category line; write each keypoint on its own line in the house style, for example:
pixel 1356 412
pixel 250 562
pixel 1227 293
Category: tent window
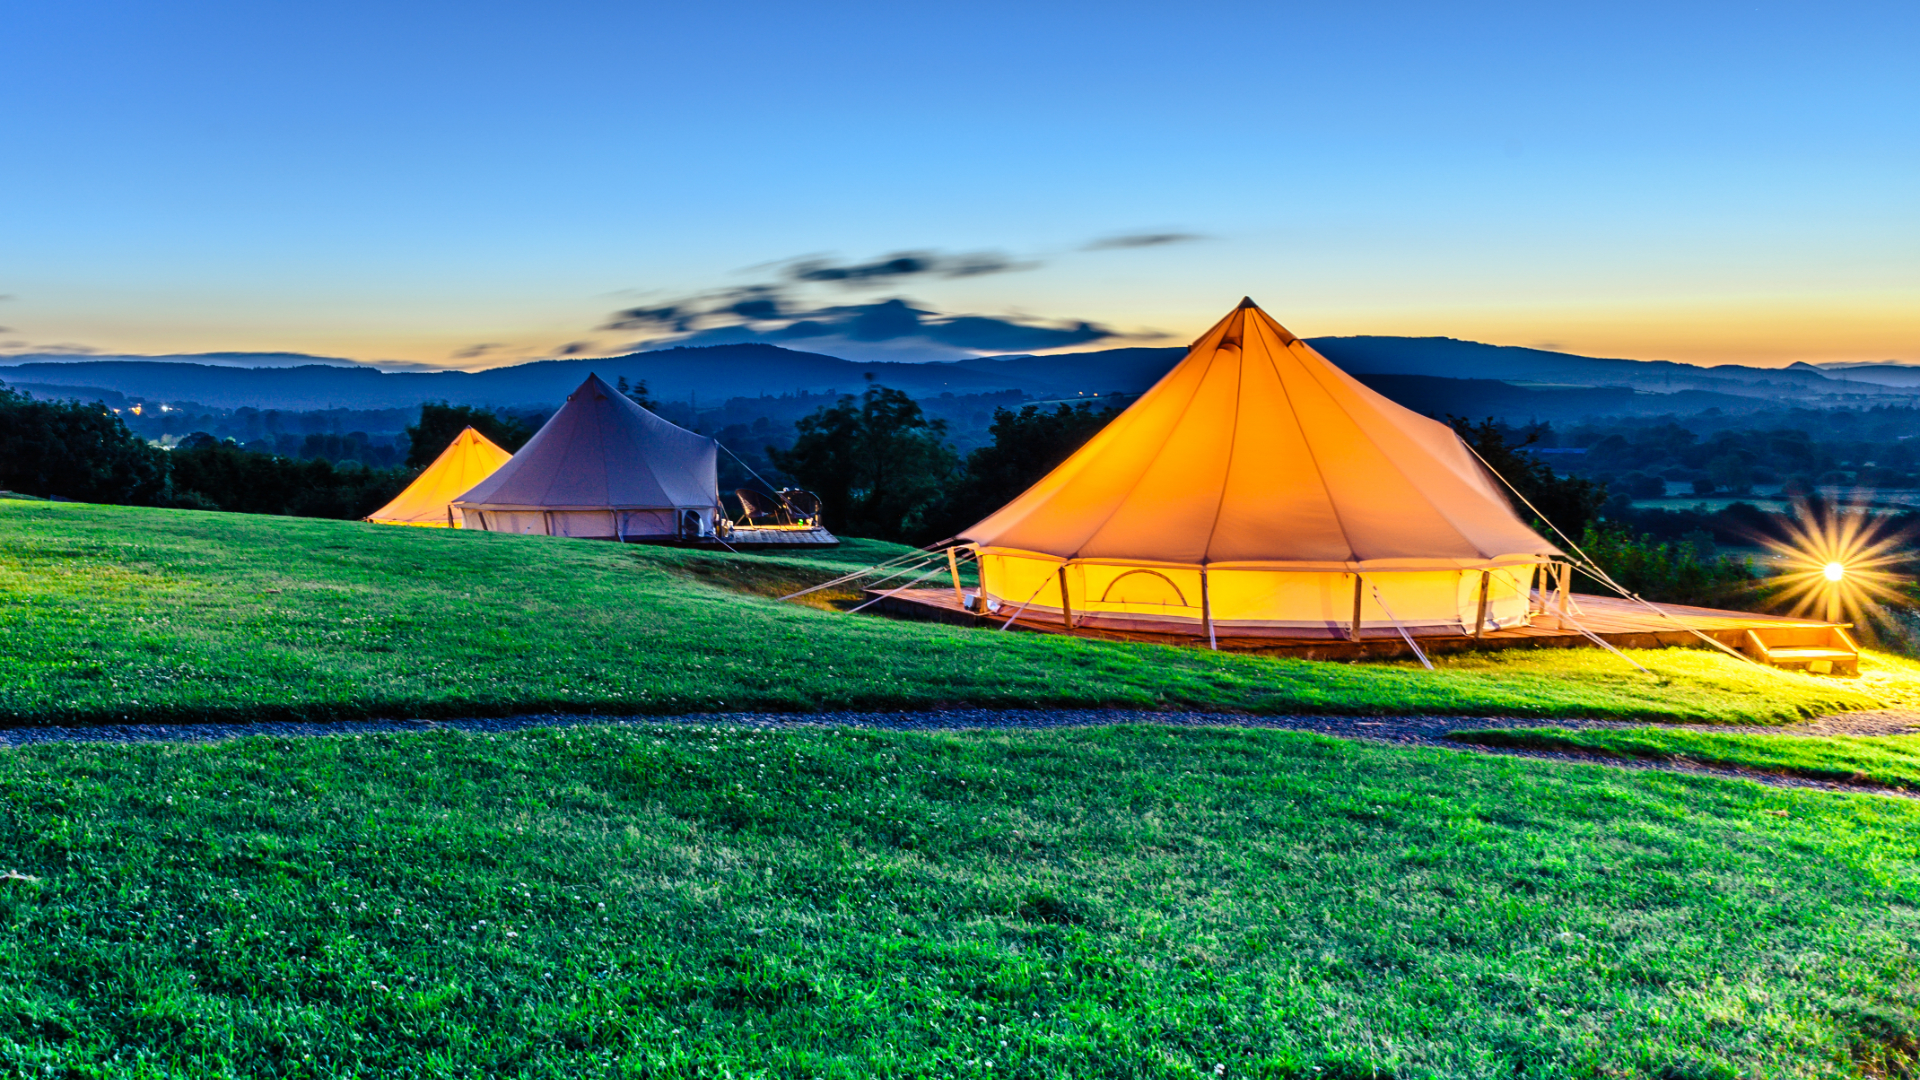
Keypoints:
pixel 1143 587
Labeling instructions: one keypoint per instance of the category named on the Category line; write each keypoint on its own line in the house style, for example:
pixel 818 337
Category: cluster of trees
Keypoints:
pixel 75 451
pixel 82 451
pixel 213 474
pixel 441 423
pixel 885 470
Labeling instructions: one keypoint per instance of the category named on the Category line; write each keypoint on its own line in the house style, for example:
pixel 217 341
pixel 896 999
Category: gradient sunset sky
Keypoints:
pixel 472 184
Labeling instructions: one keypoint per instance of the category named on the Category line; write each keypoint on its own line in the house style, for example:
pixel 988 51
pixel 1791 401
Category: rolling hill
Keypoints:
pixel 1554 384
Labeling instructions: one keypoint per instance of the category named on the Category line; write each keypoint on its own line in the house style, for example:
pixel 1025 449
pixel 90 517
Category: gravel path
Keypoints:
pixel 1395 730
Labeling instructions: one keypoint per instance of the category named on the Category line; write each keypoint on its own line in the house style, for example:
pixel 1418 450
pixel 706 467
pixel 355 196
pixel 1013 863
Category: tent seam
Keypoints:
pixel 1319 471
pixel 1097 435
pixel 1233 441
pixel 1395 465
pixel 1175 426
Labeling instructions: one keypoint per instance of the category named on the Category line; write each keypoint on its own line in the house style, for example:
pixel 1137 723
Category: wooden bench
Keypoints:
pixel 1818 649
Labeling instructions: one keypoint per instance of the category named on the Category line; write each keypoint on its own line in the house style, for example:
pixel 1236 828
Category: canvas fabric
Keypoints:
pixel 1285 479
pixel 599 454
pixel 469 459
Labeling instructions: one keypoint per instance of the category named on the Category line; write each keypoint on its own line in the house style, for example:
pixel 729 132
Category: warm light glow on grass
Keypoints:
pixel 1840 564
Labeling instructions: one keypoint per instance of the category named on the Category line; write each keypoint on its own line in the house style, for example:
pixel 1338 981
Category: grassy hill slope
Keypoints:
pixel 1118 902
pixel 111 614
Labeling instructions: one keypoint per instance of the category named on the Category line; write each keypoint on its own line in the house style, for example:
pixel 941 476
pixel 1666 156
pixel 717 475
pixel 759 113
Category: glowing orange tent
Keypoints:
pixel 1258 485
pixel 471 458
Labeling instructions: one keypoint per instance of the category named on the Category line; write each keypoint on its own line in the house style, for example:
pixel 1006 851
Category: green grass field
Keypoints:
pixel 692 901
pixel 112 614
pixel 1887 760
pixel 1119 902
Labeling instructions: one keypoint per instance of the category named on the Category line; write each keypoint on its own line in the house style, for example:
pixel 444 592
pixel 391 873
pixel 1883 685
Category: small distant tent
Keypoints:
pixel 602 468
pixel 469 459
pixel 1258 485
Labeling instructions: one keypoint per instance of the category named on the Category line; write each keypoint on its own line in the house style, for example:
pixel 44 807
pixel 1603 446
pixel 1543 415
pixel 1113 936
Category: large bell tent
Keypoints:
pixel 469 459
pixel 602 468
pixel 1258 486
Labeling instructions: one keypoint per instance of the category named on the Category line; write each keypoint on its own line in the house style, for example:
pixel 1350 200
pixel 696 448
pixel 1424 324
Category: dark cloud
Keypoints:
pixel 892 322
pixel 901 265
pixel 8 330
pixel 574 348
pixel 1003 335
pixel 474 351
pixel 1140 240
pixel 787 312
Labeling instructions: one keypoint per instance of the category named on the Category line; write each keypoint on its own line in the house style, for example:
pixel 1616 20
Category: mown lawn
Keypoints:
pixel 1887 760
pixel 114 614
pixel 1120 902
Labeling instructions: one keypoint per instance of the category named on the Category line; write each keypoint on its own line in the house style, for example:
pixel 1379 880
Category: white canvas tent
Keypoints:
pixel 1259 486
pixel 602 468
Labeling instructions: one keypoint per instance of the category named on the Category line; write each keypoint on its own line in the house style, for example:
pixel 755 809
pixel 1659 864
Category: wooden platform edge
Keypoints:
pixel 1375 645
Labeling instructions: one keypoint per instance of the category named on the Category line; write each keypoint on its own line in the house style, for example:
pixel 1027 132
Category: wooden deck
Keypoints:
pixel 1621 623
pixel 750 538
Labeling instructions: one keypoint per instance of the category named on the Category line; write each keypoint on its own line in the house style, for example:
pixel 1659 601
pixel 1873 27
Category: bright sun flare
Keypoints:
pixel 1841 564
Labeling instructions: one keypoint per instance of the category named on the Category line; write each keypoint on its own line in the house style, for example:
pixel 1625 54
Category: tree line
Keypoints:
pixel 83 452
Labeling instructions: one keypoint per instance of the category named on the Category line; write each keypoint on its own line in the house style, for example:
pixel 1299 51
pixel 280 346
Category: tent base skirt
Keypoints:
pixel 1621 623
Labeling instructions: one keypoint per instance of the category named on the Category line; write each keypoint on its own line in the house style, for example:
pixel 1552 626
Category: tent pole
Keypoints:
pixel 1560 594
pixel 1480 621
pixel 1353 632
pixel 1206 609
pixel 953 567
pixel 1066 603
pixel 980 577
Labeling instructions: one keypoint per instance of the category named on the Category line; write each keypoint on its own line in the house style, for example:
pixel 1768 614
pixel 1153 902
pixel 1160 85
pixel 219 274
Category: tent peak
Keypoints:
pixel 597 384
pixel 1247 302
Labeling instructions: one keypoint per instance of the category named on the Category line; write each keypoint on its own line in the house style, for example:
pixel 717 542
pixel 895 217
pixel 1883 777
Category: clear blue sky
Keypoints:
pixel 1705 182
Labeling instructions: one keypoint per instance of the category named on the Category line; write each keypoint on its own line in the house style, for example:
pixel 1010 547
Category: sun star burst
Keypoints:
pixel 1841 563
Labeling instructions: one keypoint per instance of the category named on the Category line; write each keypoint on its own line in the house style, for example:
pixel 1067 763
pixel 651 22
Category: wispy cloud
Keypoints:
pixel 902 265
pixel 61 348
pixel 1141 240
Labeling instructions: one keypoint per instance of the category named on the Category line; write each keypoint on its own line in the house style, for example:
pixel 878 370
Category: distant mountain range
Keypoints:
pixel 1465 374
